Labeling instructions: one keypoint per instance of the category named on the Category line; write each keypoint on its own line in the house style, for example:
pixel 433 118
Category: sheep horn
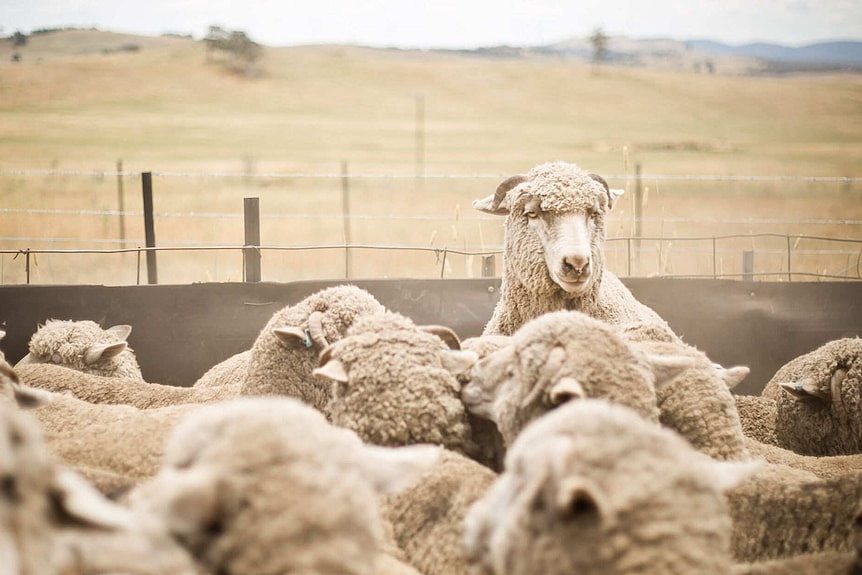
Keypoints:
pixel 602 181
pixel 325 356
pixel 449 337
pixel 315 330
pixel 504 188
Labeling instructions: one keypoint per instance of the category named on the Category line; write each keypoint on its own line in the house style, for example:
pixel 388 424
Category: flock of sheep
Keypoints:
pixel 578 435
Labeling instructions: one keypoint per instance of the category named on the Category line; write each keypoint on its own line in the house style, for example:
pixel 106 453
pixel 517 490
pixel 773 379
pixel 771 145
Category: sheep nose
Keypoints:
pixel 576 265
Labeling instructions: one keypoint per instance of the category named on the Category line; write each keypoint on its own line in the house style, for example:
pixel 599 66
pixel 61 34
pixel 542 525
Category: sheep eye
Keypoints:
pixel 532 214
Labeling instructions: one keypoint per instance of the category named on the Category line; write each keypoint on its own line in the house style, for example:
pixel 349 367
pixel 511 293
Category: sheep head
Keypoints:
pixel 555 226
pixel 572 499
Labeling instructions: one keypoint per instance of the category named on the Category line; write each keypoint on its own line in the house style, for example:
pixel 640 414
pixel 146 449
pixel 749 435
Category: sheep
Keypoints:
pixel 560 356
pixel 830 467
pixel 757 415
pixel 279 363
pixel 84 346
pixel 697 403
pixel 428 518
pixel 818 399
pixel 267 486
pixel 593 487
pixel 832 562
pixel 394 384
pixel 553 249
pixel 51 521
pixel 780 512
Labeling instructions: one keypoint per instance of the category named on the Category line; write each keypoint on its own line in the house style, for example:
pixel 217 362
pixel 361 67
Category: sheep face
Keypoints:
pixel 593 488
pixel 555 227
pixel 556 358
pixel 229 466
pixel 84 346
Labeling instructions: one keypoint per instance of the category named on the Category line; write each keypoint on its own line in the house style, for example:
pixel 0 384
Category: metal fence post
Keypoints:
pixel 121 202
pixel 149 227
pixel 345 215
pixel 638 211
pixel 27 264
pixel 251 252
pixel 789 277
pixel 748 265
pixel 714 262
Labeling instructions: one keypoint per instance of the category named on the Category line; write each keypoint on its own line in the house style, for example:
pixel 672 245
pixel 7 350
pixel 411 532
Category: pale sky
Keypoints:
pixel 448 23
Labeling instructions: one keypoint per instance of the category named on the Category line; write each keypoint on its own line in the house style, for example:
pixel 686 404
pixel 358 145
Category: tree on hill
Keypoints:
pixel 242 52
pixel 599 41
pixel 19 39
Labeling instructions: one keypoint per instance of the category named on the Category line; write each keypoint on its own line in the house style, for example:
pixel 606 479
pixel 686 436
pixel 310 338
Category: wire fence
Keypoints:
pixel 778 228
pixel 633 253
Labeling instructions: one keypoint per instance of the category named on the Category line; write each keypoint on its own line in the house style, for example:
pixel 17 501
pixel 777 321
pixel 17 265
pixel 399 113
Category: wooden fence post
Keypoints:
pixel 121 203
pixel 251 252
pixel 149 227
pixel 638 212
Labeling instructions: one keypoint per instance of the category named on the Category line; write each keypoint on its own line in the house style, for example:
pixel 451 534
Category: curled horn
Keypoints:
pixel 504 188
pixel 315 330
pixel 449 337
pixel 602 181
pixel 325 356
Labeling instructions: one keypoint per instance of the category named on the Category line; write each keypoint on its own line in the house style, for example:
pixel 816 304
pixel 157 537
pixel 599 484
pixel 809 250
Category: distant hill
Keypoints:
pixel 699 54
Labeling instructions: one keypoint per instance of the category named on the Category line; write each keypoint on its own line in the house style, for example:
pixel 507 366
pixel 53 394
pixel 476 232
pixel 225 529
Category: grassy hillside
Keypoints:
pixel 67 105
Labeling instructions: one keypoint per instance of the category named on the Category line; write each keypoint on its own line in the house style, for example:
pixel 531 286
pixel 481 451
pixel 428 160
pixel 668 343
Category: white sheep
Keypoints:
pixel 394 384
pixel 554 249
pixel 279 363
pixel 52 522
pixel 562 356
pixel 818 400
pixel 86 347
pixel 592 487
pixel 267 487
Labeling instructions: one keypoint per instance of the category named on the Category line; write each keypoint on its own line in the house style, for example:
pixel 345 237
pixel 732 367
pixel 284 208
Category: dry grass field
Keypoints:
pixel 67 106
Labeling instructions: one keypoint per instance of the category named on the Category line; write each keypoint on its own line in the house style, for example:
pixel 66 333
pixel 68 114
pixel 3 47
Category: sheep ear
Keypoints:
pixel 667 367
pixel 2 334
pixel 30 397
pixel 334 370
pixel 806 389
pixel 99 351
pixel 448 335
pixel 120 331
pixel 613 195
pixel 579 500
pixel 458 362
pixel 74 502
pixel 292 336
pixel 732 376
pixel 565 390
pixel 486 205
pixel 197 499
pixel 393 469
pixel 28 359
pixel 725 475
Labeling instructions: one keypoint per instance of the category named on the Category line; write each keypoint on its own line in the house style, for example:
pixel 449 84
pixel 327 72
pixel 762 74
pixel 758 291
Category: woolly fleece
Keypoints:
pixel 65 343
pixel 527 290
pixel 286 491
pixel 515 383
pixel 594 488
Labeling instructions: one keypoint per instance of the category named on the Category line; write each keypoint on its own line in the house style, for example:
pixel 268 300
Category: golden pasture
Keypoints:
pixel 68 112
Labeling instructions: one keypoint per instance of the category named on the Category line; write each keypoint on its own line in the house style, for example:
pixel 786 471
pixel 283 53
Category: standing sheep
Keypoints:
pixel 593 488
pixel 554 249
pixel 268 487
pixel 560 356
pixel 84 346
